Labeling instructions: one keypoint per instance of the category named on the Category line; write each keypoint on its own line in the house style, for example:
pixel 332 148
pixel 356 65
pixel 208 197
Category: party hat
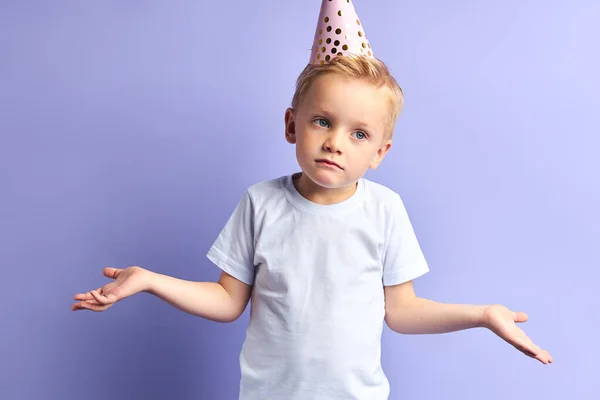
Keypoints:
pixel 339 33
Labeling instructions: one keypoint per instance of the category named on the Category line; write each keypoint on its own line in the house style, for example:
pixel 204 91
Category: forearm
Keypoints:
pixel 208 300
pixel 423 316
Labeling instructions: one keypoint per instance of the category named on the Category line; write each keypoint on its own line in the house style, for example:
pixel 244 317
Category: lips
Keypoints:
pixel 329 162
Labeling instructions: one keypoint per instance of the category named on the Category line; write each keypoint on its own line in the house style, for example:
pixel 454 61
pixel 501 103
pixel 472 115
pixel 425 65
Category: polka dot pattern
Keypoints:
pixel 339 33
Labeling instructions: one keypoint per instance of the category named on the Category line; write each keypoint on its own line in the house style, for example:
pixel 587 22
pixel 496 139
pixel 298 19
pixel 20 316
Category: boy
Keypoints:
pixel 325 255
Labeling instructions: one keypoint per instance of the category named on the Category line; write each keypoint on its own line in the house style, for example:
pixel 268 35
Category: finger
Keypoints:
pixel 86 296
pixel 544 357
pixel 92 307
pixel 525 345
pixel 111 272
pixel 109 296
pixel 89 305
pixel 521 317
pixel 100 298
pixel 83 296
pixel 547 358
pixel 92 302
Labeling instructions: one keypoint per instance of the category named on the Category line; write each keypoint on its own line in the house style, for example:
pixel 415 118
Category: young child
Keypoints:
pixel 325 255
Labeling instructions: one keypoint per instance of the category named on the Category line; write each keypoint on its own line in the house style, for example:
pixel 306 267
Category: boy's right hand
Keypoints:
pixel 127 282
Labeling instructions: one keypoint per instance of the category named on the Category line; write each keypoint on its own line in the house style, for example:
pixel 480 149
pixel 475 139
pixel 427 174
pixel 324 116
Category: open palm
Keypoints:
pixel 502 322
pixel 127 282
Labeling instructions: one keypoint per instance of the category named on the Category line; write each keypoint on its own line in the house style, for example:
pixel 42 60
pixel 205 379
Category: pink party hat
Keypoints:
pixel 339 33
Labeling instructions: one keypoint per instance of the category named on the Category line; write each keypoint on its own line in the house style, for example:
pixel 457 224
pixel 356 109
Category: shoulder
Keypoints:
pixel 383 197
pixel 266 189
pixel 386 207
pixel 381 191
pixel 268 185
pixel 267 195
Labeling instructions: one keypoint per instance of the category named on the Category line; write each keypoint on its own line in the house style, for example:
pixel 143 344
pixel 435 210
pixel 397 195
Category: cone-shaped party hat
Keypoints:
pixel 339 33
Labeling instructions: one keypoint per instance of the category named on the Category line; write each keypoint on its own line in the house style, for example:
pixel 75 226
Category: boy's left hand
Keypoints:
pixel 502 322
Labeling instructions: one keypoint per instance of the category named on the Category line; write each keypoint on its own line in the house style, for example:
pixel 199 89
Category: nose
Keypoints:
pixel 333 143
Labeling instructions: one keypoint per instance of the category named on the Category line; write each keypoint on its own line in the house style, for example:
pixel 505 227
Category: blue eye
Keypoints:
pixel 361 135
pixel 322 122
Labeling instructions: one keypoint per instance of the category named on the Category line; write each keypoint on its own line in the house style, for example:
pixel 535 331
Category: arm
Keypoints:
pixel 406 313
pixel 222 301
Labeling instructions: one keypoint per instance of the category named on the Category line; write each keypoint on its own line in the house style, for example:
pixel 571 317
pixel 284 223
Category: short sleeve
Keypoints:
pixel 233 250
pixel 403 258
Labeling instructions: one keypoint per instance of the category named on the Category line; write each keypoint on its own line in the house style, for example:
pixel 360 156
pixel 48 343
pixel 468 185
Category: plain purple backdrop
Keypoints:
pixel 129 131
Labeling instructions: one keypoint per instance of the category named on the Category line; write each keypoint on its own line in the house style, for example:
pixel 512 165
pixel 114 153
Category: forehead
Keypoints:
pixel 351 99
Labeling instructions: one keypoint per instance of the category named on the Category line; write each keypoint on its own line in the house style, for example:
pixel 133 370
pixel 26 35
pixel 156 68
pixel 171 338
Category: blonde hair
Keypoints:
pixel 372 70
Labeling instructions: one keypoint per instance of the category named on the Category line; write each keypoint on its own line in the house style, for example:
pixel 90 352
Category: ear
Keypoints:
pixel 290 126
pixel 385 147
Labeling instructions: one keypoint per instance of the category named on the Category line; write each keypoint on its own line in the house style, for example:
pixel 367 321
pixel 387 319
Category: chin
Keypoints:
pixel 323 177
pixel 329 179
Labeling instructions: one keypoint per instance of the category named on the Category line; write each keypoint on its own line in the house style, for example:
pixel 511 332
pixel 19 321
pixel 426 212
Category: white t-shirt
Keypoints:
pixel 318 271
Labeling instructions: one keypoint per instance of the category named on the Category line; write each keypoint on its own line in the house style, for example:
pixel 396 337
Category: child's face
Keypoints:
pixel 342 121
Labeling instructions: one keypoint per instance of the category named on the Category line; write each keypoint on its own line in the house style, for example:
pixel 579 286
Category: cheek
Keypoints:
pixel 302 146
pixel 368 156
pixel 306 140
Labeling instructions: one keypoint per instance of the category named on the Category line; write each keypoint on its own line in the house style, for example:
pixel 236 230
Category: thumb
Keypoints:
pixel 520 317
pixel 111 272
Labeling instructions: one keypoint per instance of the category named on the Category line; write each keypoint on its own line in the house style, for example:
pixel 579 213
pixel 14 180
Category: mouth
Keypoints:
pixel 329 163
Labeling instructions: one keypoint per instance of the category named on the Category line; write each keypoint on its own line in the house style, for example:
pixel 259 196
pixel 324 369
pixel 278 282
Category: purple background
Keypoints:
pixel 129 131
